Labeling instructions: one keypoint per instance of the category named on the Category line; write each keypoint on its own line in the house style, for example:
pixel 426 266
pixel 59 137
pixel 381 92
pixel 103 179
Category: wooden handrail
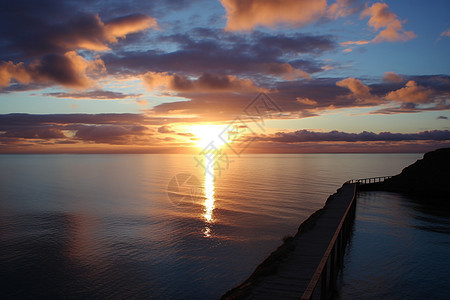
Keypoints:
pixel 321 271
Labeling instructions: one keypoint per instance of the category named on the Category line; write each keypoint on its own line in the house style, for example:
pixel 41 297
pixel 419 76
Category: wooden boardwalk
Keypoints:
pixel 301 269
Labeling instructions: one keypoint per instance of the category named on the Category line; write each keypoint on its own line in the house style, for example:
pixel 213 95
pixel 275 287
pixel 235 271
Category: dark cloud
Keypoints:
pixel 70 70
pixel 206 83
pixel 302 136
pixel 39 46
pixel 215 51
pixel 41 39
pixel 83 31
pixel 9 120
pixel 97 95
pixel 111 134
pixel 297 43
pixel 409 107
pixel 117 129
pixel 35 133
pixel 30 28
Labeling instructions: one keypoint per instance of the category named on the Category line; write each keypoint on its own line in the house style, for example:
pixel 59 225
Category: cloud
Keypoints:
pixel 47 52
pixel 248 14
pixel 29 133
pixel 205 83
pixel 342 8
pixel 215 51
pixel 82 31
pixel 8 121
pixel 359 90
pixel 302 136
pixel 221 106
pixel 392 77
pixel 121 27
pixel 111 134
pixel 96 95
pixel 285 70
pixel 70 70
pixel 382 18
pixel 43 132
pixel 306 101
pixel 411 93
pixel 9 70
pixel 408 107
pixel 87 31
pixel 165 129
pixel 361 42
pixel 446 32
pixel 297 43
pixel 301 98
pixel 117 129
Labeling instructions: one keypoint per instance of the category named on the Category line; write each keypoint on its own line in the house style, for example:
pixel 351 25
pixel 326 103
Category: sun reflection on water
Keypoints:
pixel 209 194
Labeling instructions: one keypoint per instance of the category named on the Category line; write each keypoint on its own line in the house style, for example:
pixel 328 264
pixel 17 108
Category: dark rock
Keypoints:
pixel 430 175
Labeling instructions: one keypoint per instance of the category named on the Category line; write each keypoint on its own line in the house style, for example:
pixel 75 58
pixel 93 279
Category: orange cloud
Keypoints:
pixel 9 71
pixel 341 8
pixel 361 42
pixel 247 14
pixel 306 101
pixel 446 32
pixel 120 27
pixel 382 17
pixel 411 93
pixel 89 32
pixel 70 70
pixel 205 83
pixel 358 89
pixel 392 77
pixel 285 70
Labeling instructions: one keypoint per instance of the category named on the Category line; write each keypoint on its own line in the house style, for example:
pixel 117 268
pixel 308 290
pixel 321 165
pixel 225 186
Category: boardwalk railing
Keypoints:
pixel 369 180
pixel 332 260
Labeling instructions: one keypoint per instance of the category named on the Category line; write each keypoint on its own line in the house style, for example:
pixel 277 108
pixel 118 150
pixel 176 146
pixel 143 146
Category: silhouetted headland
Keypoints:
pixel 427 176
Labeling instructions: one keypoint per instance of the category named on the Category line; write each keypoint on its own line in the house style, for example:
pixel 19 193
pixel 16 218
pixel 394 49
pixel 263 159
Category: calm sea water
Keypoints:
pixel 104 226
pixel 400 249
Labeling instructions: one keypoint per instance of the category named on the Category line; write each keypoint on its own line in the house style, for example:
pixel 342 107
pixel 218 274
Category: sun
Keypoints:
pixel 207 134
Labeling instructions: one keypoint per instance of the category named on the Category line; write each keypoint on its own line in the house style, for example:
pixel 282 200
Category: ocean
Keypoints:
pixel 399 248
pixel 154 225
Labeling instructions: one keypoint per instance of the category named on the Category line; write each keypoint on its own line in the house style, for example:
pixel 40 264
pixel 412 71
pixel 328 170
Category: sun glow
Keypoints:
pixel 207 134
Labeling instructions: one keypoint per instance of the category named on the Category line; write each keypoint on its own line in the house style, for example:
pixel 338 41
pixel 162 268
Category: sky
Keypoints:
pixel 255 76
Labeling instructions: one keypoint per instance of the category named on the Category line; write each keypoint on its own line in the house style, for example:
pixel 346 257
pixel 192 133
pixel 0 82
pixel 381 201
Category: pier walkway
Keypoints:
pixel 306 266
pixel 315 256
pixel 294 275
